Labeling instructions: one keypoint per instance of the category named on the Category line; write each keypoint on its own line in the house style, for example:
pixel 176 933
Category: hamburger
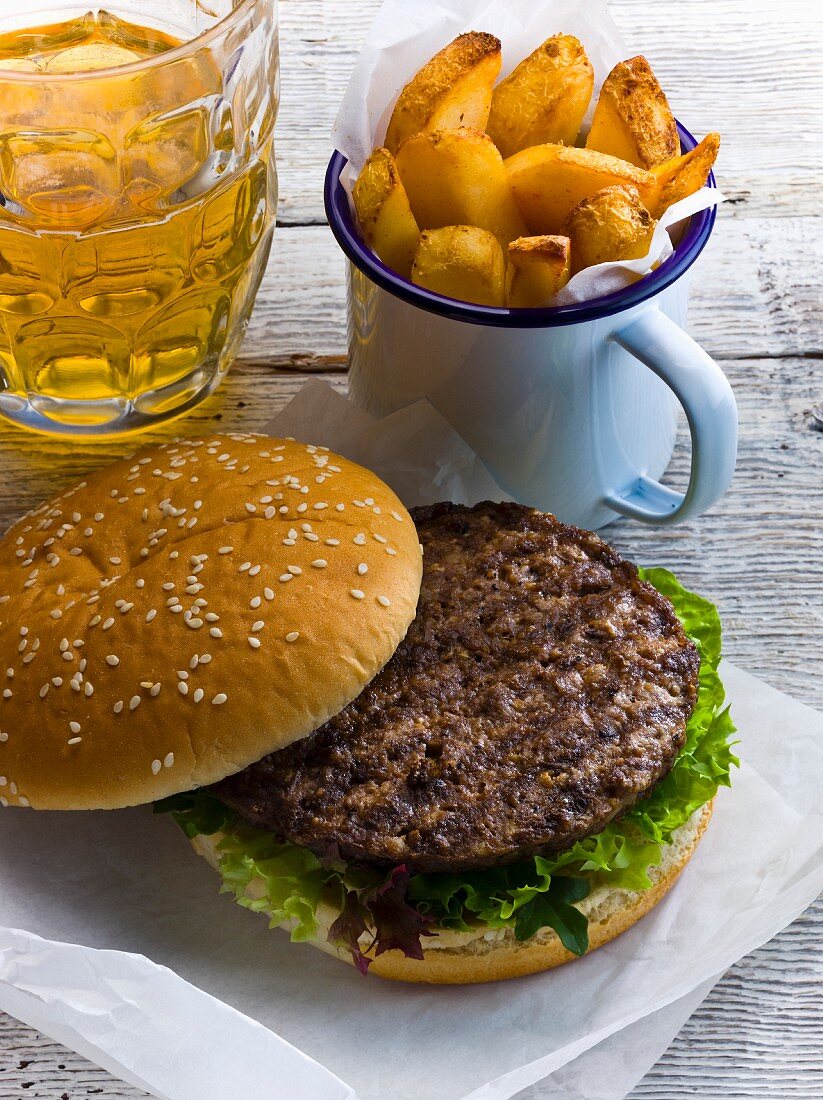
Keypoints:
pixel 452 745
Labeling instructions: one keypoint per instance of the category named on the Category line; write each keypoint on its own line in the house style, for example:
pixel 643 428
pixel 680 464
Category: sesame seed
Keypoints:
pixel 332 542
pixel 3 736
pixel 340 507
pixel 310 535
pixel 379 538
pixel 219 699
pixel 183 687
pixel 399 518
pixel 254 642
pixel 3 781
pixel 74 740
pixel 390 552
pixel 268 593
pixel 319 563
pixel 295 570
pixel 44 690
pixel 290 542
pixel 384 601
pixel 360 539
pixel 168 760
pixel 167 586
pixel 212 617
pixel 126 608
pixel 151 615
pixel 293 636
pixel 112 660
pixel 362 568
pixel 155 767
pixel 251 508
pixel 198 695
pixel 74 727
pixel 225 550
pixel 270 512
pixel 57 681
pixel 255 602
pixel 23 800
pixel 68 656
pixel 205 658
pixel 182 674
pixel 300 507
pixel 216 632
pixel 255 569
pixel 320 506
pixel 358 595
pixel 193 623
pixel 118 706
pixel 154 691
pixel 108 623
pixel 88 689
pixel 134 702
pixel 257 626
pixel 285 577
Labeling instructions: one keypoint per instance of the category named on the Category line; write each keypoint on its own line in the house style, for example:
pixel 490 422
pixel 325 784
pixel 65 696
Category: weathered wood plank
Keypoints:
pixel 726 65
pixel 762 565
pixel 743 68
pixel 754 292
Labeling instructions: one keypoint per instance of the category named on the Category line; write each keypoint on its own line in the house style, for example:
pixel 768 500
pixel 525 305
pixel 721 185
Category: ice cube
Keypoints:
pixel 90 56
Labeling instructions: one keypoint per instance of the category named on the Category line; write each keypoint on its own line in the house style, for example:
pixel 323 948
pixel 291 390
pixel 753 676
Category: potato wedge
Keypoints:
pixel 613 224
pixel 538 268
pixel 383 211
pixel 463 262
pixel 680 177
pixel 632 119
pixel 453 89
pixel 457 177
pixel 549 180
pixel 544 99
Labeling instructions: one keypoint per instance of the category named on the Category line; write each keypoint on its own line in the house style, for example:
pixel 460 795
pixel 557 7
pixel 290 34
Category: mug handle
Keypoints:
pixel 708 401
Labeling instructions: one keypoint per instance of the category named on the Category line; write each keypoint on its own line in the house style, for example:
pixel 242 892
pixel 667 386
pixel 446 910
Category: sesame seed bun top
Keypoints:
pixel 182 613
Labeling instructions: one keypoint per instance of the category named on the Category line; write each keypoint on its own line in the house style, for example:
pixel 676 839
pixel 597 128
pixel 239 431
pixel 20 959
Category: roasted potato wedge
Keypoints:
pixel 680 177
pixel 632 119
pixel 463 262
pixel 613 224
pixel 457 177
pixel 549 180
pixel 384 213
pixel 544 99
pixel 538 268
pixel 453 89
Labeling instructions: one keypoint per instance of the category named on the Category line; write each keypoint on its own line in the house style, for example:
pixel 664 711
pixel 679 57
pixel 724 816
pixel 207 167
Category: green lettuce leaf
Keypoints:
pixel 289 882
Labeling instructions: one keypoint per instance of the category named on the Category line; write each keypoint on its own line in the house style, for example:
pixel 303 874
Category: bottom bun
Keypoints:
pixel 491 955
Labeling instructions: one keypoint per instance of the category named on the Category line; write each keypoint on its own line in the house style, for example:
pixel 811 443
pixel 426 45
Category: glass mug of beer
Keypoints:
pixel 138 193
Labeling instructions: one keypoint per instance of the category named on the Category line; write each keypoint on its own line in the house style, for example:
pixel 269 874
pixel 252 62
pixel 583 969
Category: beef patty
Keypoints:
pixel 541 690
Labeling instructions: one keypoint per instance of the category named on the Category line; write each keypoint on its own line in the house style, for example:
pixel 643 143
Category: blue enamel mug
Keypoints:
pixel 572 409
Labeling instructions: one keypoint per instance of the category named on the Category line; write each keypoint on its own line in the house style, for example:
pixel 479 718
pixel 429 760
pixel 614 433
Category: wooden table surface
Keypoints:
pixel 751 69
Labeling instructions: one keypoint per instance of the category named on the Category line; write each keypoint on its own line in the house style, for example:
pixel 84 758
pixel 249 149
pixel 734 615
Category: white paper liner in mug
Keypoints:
pixel 405 35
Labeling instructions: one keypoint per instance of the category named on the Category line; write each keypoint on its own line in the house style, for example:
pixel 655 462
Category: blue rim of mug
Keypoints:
pixel 344 228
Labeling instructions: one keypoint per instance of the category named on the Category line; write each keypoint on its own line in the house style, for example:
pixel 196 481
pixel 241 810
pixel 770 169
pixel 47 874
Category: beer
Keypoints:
pixel 137 206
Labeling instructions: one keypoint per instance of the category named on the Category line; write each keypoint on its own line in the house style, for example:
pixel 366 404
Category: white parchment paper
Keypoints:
pixel 115 940
pixel 405 35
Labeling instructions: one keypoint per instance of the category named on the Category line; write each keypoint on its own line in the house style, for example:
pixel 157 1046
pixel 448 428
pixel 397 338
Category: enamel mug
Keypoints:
pixel 572 409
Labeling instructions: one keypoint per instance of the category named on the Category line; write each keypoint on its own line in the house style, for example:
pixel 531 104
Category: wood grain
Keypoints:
pixel 740 67
pixel 748 69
